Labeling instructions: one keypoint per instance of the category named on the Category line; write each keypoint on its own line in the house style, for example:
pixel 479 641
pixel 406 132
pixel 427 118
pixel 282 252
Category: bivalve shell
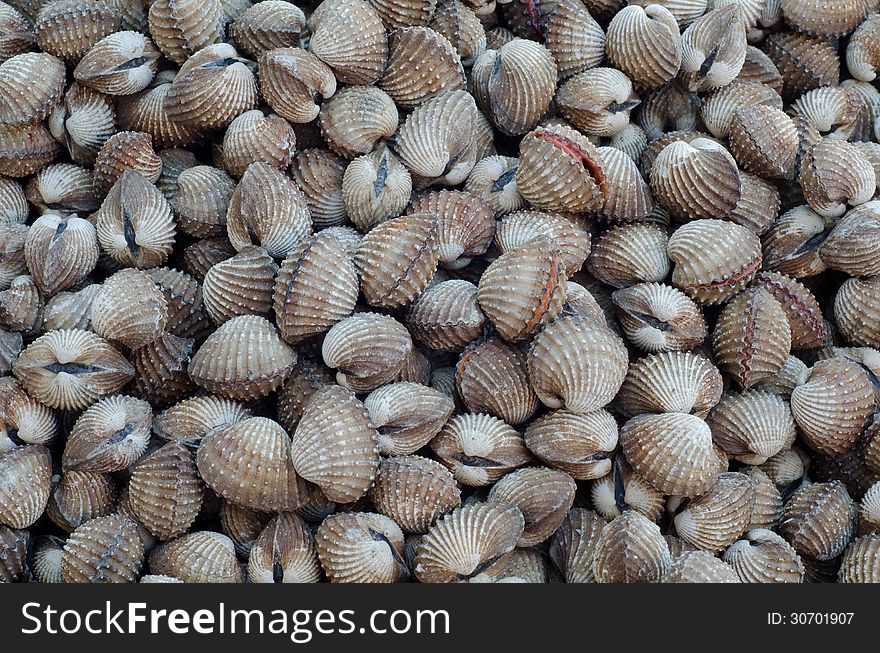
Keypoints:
pixel 109 436
pixel 544 496
pixel 630 550
pixel 762 556
pixel 715 520
pixel 819 520
pixel 670 382
pixel 103 550
pixel 183 27
pixel 60 251
pixel 580 445
pixel 31 84
pixel 25 486
pixel 292 80
pixel 656 317
pixel 360 57
pixel 241 285
pixel 630 254
pixel 361 547
pixel 285 551
pixel 699 567
pixel 645 44
pixel 752 426
pixel 200 557
pixel 129 309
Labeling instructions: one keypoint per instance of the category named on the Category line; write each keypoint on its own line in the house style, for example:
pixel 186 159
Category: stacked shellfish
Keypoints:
pixel 372 291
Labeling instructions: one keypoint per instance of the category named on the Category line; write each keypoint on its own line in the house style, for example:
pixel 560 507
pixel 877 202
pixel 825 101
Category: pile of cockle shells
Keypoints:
pixel 439 291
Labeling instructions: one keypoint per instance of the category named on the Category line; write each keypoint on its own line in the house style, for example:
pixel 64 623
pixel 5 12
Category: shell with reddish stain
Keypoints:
pixel 520 227
pixel 670 382
pixel 752 426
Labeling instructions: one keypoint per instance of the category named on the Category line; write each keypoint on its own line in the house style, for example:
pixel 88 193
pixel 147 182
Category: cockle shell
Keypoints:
pixel 284 552
pixel 200 557
pixel 25 149
pixel 573 545
pixel 360 547
pixel 800 306
pixel 630 254
pixel 834 174
pixel 574 38
pixel 335 445
pixel 461 544
pixel 446 316
pixel 791 246
pixel 13 554
pixel 514 85
pixel 805 62
pixel 126 151
pixel 523 289
pixel 183 27
pixel 47 555
pixel 656 317
pixel 819 520
pixel 762 556
pixel 103 550
pixel 407 415
pixel 713 48
pixel 375 187
pixel 291 80
pixel 767 510
pixel 319 174
pixel 129 308
pixel 860 560
pixel 202 200
pixel 146 112
pixel 160 369
pixel 752 426
pixel 578 444
pixel 713 259
pixel 767 142
pixel 835 112
pixel 316 286
pixel 832 405
pixel 622 489
pixel 252 136
pixel 788 468
pixel 68 28
pixel 190 420
pixel 458 23
pixel 862 53
pixel 186 313
pixel 13 237
pixel 63 187
pixel 493 179
pixel 122 63
pixel 242 525
pixel 580 383
pixel 597 101
pixel 630 549
pixel 25 485
pixel 367 349
pixel 668 107
pixel 520 227
pixel 544 496
pixel 25 420
pixel 628 195
pixel 645 44
pixel 60 251
pixel 109 436
pixel 670 382
pixel 854 311
pixel 14 203
pixel 241 285
pixel 11 344
pixel 243 359
pixel 31 84
pixel 699 567
pixel 850 247
pixel 21 306
pixel 18 32
pixel 71 369
pixel 714 520
pixel 719 107
pixel 306 378
pixel 356 118
pixel 823 20
pixel 266 26
pixel 361 57
pixel 671 451
pixel 465 225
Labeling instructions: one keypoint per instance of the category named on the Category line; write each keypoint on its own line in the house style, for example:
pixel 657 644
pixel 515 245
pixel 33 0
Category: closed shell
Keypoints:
pixel 718 108
pixel 361 57
pixel 578 444
pixel 715 520
pixel 422 64
pixel 284 552
pixel 862 52
pixel 375 187
pixel 189 420
pixel 861 560
pixel 25 486
pixel 356 118
pixel 360 547
pixel 819 520
pixel 266 26
pixel 407 415
pixel 573 545
pixel 465 225
pixel 713 48
pixel 146 112
pixel 60 251
pixel 31 84
pixel 241 285
pixel 622 490
pixel 18 34
pixel 574 38
pixel 699 567
pixel 656 317
pixel 805 62
pixel 752 426
pixel 130 309
pixel 824 19
pixel 202 200
pixel 68 28
pixel 319 175
pixel 292 80
pixel 200 557
pixel 520 227
pixel 762 556
pixel 103 550
pixel 544 497
pixel 414 492
pixel 186 313
pixel 670 382
pixel 630 550
pixel 25 149
pixel 628 195
pixel 630 254
pixel 160 369
pixel 446 316
pixel 855 311
pixel 109 436
pixel 800 306
pixel 183 27
pixel 835 174
pixel 252 136
pixel 645 44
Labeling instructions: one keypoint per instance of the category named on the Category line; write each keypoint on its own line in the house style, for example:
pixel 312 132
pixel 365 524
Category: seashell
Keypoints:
pixel 713 259
pixel 544 496
pixel 823 20
pixel 573 545
pixel 416 367
pixel 626 255
pixel 518 566
pixel 397 258
pixel 82 122
pixel 414 491
pixel 465 225
pixel 13 237
pixel 31 85
pixel 621 490
pixel 202 200
pixel 462 27
pixel 762 556
pixel 715 520
pixel 645 44
pixel 63 187
pixel 787 468
pixel 752 426
pixel 699 179
pixel 122 63
pixel 109 436
pixel 514 85
pixel 241 285
pixel 70 369
pixel 656 317
pixel 158 578
pixel 130 309
pixel 211 88
pixel 437 142
pixel 862 54
pixel 578 444
pixel 367 349
pixel 356 119
pixel 126 151
pixel 519 228
pixel 47 555
pixel 304 380
pixel 186 314
pixel 267 209
pixel 248 464
pixel 860 560
pixel 871 153
pixel 407 416
pixel 60 251
pixel 25 486
pixel 493 180
pixel 242 525
pixel 161 369
pixel 630 549
pixel 835 112
pixel 18 32
pixel 25 149
pixel 361 57
pixel 243 359
pixel 713 48
pixel 671 451
pixel 848 467
pixel 534 271
pixel 146 112
pixel 13 551
pixel 21 308
pixel 80 497
pixel 70 310
pixel 267 26
pixel 854 311
pixel 190 420
pixel 560 170
pixel 670 382
pixel 422 64
pixel 460 544
pixel 284 552
pixel 767 510
pixel 25 421
pixel 718 110
pixel 581 383
pixel 580 301
pixel 699 567
pixel 629 197
pixel 254 137
pixel 174 162
pixel 319 174
pixel 232 9
pixel 103 550
pixel 831 406
pixel 834 174
pixel 805 62
pixel 375 187
pixel 346 470
pixel 361 547
pixel 819 520
pixel 316 287
pixel 14 203
pixel 802 309
pixel 758 205
pixel 574 38
pixel 291 80
pixel 792 244
pixel 11 344
pixel 183 27
pixel 69 28
pixel 767 142
pixel 668 107
pixel 446 316
pixel 200 557
pixel 597 101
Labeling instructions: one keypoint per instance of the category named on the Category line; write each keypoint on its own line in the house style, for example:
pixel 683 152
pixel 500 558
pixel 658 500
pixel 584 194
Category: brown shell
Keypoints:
pixel 713 48
pixel 835 174
pixel 200 557
pixel 319 174
pixel 446 316
pixel 201 201
pixel 645 44
pixel 819 520
pixel 630 550
pixel 375 187
pixel 628 195
pixel 407 415
pixel 543 495
pixel 356 119
pixel 855 311
pixel 578 444
pixel 629 254
pixel 126 151
pixel 800 306
pixel 18 32
pixel 70 310
pixel 518 228
pixel 862 54
pixel 465 225
pixel 129 309
pixel 752 426
pixel 699 567
pixel 715 520
pixel 457 22
pixel 241 285
pixel 860 560
pixel 805 62
pixel 31 84
pixel 122 63
pixel 25 486
pixel 767 510
pixel 252 136
pixel 60 251
pixel 146 112
pixel 183 27
pixel 575 39
pixel 284 552
pixel 103 550
pixel 266 26
pixel 292 80
pixel 573 545
pixel 13 550
pixel 656 317
pixel 822 19
pixel 762 556
pixel 361 57
pixel 25 149
pixel 161 370
pixel 361 547
pixel 109 436
pixel 63 187
pixel 670 382
pixel 192 419
pixel 186 313
pixel 68 28
pixel 768 142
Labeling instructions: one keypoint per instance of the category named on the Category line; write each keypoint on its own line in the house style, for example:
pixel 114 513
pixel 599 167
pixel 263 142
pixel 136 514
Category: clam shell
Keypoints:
pixel 446 316
pixel 836 112
pixel 266 26
pixel 671 451
pixel 14 203
pixel 241 285
pixel 25 420
pixel 493 180
pixel 719 107
pixel 31 84
pixel 819 520
pixel 768 142
pixel 819 18
pixel 834 174
pixel 465 225
pixel 11 344
pixel 787 468
pixel 580 383
pixel 622 490
pixel 335 445
pixel 479 449
pixel 791 246
pixel 752 426
pixel 375 187
pixel 243 359
pixel 645 44
pixel 62 187
pixel 183 27
pixel 699 567
pixel 805 62
pixel 160 370
pixel 68 28
pixel 573 545
pixel 319 174
pixel 361 547
pixel 186 314
pixel 122 63
pixel 252 136
pixel 126 151
pixel 407 416
pixel 13 237
pixel 368 349
pixel 13 552
pixel 575 39
pixel 855 311
pixel 800 306
pixel 21 306
pixel 47 555
pixel 146 112
pixel 202 200
pixel 291 80
pixel 356 119
pixel 758 205
pixel 79 497
pixel 200 557
pixel 597 101
pixel 715 520
pixel 422 64
pixel 520 227
pixel 670 382
pixel 109 436
pixel 860 561
pixel 304 380
pixel 70 310
pixel 764 557
pixel 668 107
pixel 767 510
pixel 60 251
pixel 284 552
pixel 630 254
pixel 656 317
pixel 713 48
pixel 25 486
pixel 25 149
pixel 544 496
pixel 130 309
pixel 242 525
pixel 71 369
pixel 18 32
pixel 189 420
pixel 850 247
pixel 862 53
pixel 578 444
pixel 103 550
pixel 630 549
pixel 629 196
pixel 361 57
pixel 458 23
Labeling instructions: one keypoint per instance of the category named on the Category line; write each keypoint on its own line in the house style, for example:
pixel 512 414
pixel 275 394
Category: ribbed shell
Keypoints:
pixel 851 245
pixel 284 552
pixel 805 62
pixel 25 149
pixel 186 314
pixel 699 567
pixel 576 364
pixel 628 195
pixel 109 436
pixel 266 26
pixel 241 285
pixel 120 64
pixel 291 80
pixel 25 484
pixel 18 34
pixel 855 311
pixel 252 136
pixel 82 122
pixel 713 48
pixel 103 550
pixel 768 142
pixel 862 52
pixel 165 492
pixel 446 316
pixel 465 225
pixel 575 39
pixel 520 227
pixel 361 56
pixel 801 308
pixel 130 309
pixel 824 19
pixel 146 112
pixel 201 557
pixel 861 561
pixel 671 451
pixel 62 187
pixel 767 510
pixel 126 151
pixel 335 445
pixel 367 349
pixel 645 44
pixel 183 27
pixel 835 174
pixel 356 118
pixel 14 203
pixel 573 544
pixel 457 22
pixel 630 550
pixel 191 419
pixel 762 556
pixel 819 520
pixel 578 444
pixel 68 28
pixel 656 317
pixel 630 254
pixel 22 306
pixel 752 426
pixel 60 251
pixel 160 370
pixel 202 200
pixel 79 497
pixel 544 496
pixel 493 179
pixel 31 84
pixel 713 521
pixel 670 382
pixel 407 415
pixel 319 174
pixel 375 187
pixel 361 547
pixel 13 550
pixel 718 108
